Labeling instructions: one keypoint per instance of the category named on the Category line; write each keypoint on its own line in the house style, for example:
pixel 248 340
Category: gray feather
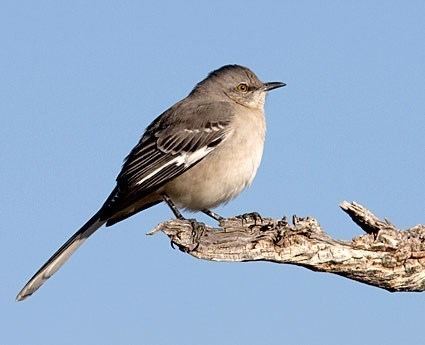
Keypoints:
pixel 60 257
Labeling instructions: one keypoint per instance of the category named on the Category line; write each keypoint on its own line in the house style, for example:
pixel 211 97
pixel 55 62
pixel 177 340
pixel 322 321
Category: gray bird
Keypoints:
pixel 198 154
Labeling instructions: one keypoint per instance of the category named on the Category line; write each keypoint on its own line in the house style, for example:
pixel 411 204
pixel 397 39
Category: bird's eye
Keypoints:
pixel 242 87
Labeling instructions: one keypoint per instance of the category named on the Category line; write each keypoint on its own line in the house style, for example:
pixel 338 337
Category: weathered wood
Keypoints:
pixel 385 257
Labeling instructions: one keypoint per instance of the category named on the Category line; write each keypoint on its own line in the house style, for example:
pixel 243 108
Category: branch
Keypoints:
pixel 384 257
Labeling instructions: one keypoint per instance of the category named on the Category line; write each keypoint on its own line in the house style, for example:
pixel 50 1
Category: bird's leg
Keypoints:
pixel 213 215
pixel 173 207
pixel 197 228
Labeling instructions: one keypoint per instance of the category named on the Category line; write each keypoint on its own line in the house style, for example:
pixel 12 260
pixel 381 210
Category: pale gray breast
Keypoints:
pixel 226 171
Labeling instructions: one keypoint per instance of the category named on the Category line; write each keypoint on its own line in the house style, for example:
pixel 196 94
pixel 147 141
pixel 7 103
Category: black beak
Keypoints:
pixel 273 85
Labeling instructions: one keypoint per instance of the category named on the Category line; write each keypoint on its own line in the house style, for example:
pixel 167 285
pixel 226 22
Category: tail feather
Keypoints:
pixel 60 257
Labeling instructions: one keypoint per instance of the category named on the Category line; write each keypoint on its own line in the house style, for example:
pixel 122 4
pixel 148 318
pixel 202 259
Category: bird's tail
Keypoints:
pixel 60 257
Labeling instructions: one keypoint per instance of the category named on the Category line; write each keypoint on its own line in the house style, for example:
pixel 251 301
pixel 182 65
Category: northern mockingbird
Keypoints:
pixel 198 154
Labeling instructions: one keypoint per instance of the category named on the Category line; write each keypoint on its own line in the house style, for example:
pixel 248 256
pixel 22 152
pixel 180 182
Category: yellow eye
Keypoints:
pixel 242 87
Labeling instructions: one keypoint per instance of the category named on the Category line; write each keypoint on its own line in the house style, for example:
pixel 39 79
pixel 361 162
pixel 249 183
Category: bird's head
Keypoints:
pixel 239 84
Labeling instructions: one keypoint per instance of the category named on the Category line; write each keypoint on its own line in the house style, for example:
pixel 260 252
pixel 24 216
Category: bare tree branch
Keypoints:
pixel 385 257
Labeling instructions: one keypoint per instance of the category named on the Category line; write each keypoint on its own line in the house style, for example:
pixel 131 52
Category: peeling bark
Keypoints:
pixel 385 256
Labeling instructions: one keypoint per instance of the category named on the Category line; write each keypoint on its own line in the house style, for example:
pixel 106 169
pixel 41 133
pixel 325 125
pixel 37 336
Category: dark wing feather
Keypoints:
pixel 166 150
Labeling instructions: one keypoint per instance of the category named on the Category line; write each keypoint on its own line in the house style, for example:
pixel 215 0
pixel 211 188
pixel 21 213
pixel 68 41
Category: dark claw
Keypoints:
pixel 173 244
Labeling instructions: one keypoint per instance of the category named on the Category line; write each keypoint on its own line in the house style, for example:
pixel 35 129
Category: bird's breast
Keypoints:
pixel 226 171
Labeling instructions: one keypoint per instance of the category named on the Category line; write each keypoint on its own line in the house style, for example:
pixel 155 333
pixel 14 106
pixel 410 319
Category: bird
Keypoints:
pixel 200 153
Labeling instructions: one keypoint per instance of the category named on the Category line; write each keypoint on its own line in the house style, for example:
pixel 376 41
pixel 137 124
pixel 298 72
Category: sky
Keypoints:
pixel 79 82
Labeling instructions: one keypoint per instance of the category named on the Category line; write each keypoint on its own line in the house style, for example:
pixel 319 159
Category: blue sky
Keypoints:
pixel 81 80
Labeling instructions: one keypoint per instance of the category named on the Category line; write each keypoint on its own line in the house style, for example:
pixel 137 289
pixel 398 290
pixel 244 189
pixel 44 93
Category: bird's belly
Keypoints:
pixel 220 177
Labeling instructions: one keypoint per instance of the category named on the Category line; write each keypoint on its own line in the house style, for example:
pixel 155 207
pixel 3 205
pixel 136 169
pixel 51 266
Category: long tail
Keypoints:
pixel 60 257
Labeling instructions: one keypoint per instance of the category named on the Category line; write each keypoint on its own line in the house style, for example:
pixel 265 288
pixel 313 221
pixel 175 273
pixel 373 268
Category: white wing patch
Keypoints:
pixel 193 157
pixel 185 158
pixel 177 161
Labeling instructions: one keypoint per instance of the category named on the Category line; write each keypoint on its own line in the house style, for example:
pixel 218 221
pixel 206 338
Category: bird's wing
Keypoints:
pixel 168 148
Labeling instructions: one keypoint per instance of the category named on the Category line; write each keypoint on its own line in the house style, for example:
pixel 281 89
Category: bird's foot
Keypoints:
pixel 251 216
pixel 198 229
